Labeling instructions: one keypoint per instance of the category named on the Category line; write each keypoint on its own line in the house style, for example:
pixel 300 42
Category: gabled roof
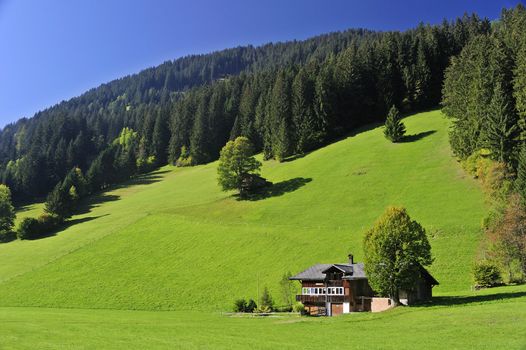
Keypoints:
pixel 427 276
pixel 350 272
pixel 318 272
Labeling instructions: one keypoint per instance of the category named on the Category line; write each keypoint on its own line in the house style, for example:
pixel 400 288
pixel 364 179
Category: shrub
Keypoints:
pixel 251 306
pixel 263 309
pixel 240 305
pixel 29 229
pixel 486 274
pixel 7 237
pixel 266 301
pixel 182 162
pixel 285 308
pixel 49 222
pixel 299 307
pixel 145 165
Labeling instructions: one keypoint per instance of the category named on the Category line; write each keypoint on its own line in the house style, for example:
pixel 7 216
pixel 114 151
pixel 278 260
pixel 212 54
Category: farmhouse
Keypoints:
pixel 333 289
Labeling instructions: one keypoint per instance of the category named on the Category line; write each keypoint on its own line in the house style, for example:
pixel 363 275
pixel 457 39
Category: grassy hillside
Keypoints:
pixel 173 241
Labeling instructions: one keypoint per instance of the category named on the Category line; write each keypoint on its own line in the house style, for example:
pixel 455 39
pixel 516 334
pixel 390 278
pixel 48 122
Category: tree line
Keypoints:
pixel 485 95
pixel 287 98
pixel 37 153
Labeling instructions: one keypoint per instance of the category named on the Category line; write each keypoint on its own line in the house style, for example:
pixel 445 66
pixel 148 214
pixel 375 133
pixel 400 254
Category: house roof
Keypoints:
pixel 427 276
pixel 317 272
pixel 350 272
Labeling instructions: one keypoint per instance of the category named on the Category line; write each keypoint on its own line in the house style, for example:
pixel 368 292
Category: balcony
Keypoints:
pixel 323 298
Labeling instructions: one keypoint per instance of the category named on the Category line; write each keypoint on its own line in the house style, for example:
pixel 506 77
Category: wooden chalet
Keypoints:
pixel 333 289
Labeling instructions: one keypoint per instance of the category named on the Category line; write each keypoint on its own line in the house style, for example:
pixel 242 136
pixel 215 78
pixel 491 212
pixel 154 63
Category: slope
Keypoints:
pixel 174 241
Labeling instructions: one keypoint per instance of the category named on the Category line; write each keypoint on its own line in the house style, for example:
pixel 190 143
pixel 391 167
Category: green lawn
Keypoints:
pixel 172 240
pixel 492 319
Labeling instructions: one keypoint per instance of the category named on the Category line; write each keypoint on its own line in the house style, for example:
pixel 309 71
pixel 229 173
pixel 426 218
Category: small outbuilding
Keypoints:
pixel 333 289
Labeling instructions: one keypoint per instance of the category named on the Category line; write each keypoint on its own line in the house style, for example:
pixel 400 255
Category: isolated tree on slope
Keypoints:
pixel 395 250
pixel 235 161
pixel 394 128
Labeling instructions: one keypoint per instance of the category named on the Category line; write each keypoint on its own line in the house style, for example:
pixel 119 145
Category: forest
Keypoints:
pixel 287 98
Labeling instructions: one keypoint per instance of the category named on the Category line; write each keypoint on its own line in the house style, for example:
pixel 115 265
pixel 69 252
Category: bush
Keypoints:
pixel 182 162
pixel 263 309
pixel 266 301
pixel 49 222
pixel 285 308
pixel 29 229
pixel 240 305
pixel 486 274
pixel 145 165
pixel 7 237
pixel 251 306
pixel 299 307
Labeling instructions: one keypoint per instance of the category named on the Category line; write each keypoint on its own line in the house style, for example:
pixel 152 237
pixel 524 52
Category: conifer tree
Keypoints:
pixel 394 128
pixel 500 126
pixel 59 203
pixel 519 88
pixel 198 141
pixel 307 133
pixel 281 117
pixel 520 182
pixel 160 138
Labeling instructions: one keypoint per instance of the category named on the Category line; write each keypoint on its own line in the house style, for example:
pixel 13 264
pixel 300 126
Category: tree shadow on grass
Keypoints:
pixel 277 189
pixel 417 137
pixel 143 179
pixel 95 201
pixel 465 300
pixel 66 225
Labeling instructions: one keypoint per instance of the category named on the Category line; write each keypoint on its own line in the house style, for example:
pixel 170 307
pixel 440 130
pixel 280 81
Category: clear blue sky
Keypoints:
pixel 56 49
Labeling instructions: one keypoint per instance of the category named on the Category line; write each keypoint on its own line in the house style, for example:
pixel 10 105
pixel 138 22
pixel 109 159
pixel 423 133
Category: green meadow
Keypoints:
pixel 171 241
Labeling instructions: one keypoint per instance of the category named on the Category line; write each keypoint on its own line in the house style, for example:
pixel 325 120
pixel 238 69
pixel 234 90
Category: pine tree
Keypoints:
pixel 281 118
pixel 519 89
pixel 394 128
pixel 307 134
pixel 198 140
pixel 520 182
pixel 500 126
pixel 59 203
pixel 160 138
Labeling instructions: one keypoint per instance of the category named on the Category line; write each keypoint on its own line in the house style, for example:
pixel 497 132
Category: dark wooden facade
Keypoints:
pixel 343 288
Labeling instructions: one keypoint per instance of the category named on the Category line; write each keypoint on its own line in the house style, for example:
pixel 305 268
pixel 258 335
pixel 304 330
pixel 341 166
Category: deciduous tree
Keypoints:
pixel 236 159
pixel 395 248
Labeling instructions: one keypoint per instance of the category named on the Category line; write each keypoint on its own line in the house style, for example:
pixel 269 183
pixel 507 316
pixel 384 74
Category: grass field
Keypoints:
pixel 492 319
pixel 173 241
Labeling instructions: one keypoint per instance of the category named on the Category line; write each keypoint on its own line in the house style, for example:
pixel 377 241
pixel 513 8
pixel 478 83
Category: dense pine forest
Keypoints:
pixel 287 98
pixel 485 91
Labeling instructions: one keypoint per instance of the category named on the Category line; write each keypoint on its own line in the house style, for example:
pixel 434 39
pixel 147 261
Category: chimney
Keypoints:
pixel 351 259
